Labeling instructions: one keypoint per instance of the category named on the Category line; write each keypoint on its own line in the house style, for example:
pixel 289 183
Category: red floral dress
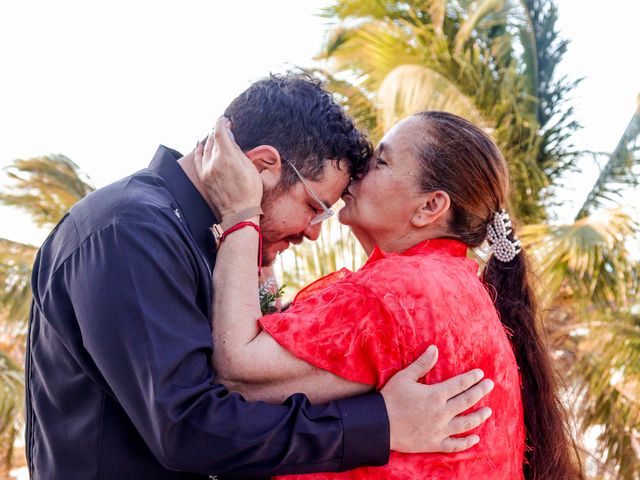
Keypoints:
pixel 366 325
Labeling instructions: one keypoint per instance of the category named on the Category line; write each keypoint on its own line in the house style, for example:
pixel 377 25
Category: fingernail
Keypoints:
pixel 432 350
pixel 474 439
pixel 490 384
pixel 488 412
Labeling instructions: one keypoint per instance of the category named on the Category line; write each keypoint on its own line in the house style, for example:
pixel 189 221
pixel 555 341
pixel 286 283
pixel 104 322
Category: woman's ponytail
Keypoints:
pixel 549 447
pixel 460 159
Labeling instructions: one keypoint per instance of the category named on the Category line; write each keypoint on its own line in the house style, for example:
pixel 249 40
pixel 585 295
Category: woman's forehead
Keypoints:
pixel 400 142
pixel 406 130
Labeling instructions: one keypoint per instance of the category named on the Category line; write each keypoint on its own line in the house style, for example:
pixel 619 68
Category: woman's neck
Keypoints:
pixel 396 242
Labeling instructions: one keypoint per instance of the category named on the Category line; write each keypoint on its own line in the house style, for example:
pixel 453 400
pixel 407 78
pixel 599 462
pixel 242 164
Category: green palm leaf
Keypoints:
pixel 589 259
pixel 620 170
pixel 409 89
pixel 356 101
pixel 16 260
pixel 475 16
pixel 11 403
pixel 45 187
pixel 11 386
pixel 608 387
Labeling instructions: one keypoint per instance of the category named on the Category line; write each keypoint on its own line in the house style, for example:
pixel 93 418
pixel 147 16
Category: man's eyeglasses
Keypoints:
pixel 326 211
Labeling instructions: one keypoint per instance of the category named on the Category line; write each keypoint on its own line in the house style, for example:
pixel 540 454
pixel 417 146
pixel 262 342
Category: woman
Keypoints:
pixel 436 186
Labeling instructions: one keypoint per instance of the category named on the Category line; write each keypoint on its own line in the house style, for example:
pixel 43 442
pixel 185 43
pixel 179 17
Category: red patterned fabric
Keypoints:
pixel 366 325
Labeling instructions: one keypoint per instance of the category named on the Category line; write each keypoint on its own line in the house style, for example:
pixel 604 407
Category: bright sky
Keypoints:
pixel 106 82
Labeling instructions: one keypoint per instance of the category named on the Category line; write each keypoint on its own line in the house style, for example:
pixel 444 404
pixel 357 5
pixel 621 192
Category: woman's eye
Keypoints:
pixel 380 161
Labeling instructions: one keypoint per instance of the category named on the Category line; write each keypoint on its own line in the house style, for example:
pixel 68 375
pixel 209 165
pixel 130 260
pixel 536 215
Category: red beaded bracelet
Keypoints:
pixel 240 225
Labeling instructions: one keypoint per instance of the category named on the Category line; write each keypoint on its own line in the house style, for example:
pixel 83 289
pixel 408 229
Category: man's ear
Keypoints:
pixel 434 208
pixel 268 162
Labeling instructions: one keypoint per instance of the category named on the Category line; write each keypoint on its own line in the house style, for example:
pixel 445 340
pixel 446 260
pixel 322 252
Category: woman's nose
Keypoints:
pixel 350 186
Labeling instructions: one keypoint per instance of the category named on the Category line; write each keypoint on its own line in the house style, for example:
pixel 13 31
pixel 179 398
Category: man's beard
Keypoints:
pixel 270 232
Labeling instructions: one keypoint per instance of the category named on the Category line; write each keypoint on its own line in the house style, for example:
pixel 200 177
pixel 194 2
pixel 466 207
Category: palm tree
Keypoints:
pixel 592 289
pixel 44 187
pixel 16 260
pixel 11 404
pixel 494 62
pixel 619 171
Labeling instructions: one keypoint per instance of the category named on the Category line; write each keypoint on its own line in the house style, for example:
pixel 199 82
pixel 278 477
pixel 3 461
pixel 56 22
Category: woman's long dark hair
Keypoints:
pixel 457 157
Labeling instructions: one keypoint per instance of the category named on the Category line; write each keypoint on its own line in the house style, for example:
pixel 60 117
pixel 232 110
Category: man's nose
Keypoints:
pixel 312 232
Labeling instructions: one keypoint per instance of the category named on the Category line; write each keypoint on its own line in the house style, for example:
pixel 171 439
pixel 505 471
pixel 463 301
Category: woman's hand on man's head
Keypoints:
pixel 230 179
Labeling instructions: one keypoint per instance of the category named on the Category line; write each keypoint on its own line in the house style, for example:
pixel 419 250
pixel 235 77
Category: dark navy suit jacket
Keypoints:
pixel 119 380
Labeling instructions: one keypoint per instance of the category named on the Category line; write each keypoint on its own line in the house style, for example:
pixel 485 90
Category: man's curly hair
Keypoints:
pixel 294 114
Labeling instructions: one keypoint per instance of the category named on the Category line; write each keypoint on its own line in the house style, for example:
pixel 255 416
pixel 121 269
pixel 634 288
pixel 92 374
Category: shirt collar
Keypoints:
pixel 192 207
pixel 446 246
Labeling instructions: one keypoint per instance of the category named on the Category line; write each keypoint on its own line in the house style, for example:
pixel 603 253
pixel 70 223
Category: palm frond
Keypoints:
pixel 619 171
pixel 481 10
pixel 409 89
pixel 372 50
pixel 543 50
pixel 45 187
pixel 16 260
pixel 588 260
pixel 437 11
pixel 356 101
pixel 345 9
pixel 607 383
pixel 11 403
pixel 11 386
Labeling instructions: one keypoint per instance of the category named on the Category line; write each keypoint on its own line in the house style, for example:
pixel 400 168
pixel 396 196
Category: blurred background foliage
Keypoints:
pixel 44 188
pixel 495 63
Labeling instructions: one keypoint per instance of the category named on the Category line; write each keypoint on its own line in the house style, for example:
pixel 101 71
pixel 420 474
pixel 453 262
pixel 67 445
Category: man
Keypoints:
pixel 119 383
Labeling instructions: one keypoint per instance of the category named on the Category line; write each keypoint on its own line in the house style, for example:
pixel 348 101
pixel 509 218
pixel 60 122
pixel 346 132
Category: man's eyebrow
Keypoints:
pixel 327 202
pixel 323 200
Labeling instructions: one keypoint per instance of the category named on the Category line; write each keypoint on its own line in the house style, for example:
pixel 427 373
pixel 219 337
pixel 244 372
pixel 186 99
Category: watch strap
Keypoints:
pixel 229 221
